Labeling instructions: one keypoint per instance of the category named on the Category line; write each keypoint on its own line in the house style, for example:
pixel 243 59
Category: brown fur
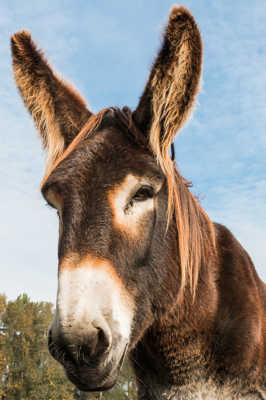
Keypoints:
pixel 199 307
pixel 90 126
pixel 58 111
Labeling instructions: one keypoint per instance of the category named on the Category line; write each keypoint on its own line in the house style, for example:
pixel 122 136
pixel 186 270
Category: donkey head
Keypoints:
pixel 119 201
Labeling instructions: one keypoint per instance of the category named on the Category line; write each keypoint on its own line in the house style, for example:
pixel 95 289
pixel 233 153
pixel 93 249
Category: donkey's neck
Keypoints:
pixel 173 359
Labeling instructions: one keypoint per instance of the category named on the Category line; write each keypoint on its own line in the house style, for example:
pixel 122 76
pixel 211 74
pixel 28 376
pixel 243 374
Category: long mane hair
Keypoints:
pixel 195 231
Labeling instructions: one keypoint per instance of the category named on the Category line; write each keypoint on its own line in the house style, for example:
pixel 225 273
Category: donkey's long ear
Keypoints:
pixel 58 111
pixel 170 92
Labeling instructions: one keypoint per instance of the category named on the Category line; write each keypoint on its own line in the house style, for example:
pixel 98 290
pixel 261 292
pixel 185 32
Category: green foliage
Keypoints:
pixel 27 371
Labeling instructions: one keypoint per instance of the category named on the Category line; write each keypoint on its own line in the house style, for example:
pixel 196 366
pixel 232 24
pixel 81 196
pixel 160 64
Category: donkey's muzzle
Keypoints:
pixel 88 356
pixel 92 322
pixel 79 347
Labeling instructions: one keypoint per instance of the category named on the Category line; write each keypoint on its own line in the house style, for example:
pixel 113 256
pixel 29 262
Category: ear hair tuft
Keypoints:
pixel 175 80
pixel 58 111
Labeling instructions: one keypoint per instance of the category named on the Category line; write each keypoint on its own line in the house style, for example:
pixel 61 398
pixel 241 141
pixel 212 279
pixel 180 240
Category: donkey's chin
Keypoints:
pixel 96 375
pixel 88 381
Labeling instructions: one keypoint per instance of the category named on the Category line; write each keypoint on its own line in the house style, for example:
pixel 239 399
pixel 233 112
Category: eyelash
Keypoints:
pixel 144 193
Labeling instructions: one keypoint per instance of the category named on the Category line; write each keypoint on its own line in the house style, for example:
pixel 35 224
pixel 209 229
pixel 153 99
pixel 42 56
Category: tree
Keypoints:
pixel 27 371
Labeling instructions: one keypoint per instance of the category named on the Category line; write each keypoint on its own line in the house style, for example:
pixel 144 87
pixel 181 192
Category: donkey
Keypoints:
pixel 142 269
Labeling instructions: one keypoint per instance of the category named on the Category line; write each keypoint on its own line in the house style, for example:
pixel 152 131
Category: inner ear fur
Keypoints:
pixel 58 111
pixel 171 89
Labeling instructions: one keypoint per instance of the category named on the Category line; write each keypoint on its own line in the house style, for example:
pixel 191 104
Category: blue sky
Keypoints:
pixel 106 48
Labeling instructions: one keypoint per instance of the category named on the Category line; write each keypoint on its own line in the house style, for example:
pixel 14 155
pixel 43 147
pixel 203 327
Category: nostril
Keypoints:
pixel 103 339
pixel 94 346
pixel 80 346
pixel 104 335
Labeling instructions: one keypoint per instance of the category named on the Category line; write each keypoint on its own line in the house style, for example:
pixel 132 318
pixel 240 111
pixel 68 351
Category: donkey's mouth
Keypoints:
pixel 84 387
pixel 95 376
pixel 92 381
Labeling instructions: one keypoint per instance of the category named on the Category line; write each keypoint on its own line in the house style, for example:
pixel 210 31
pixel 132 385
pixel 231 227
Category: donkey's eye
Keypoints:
pixel 144 193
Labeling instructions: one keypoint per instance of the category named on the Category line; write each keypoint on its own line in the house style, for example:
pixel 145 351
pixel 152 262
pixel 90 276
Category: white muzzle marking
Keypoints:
pixel 92 292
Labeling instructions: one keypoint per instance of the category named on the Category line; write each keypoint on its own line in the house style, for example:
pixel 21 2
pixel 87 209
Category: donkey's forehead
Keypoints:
pixel 107 156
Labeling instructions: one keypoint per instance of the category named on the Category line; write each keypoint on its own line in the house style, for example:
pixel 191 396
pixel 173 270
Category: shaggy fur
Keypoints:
pixel 199 307
pixel 166 104
pixel 58 111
